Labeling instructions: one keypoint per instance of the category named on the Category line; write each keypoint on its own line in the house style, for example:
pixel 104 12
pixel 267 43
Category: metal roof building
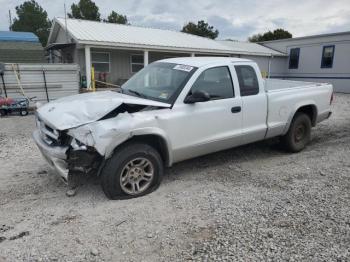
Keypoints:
pixel 117 35
pixel 20 47
pixel 118 51
pixel 317 58
pixel 11 36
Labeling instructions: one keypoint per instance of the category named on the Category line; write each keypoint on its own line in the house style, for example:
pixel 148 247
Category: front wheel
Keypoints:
pixel 299 133
pixel 134 170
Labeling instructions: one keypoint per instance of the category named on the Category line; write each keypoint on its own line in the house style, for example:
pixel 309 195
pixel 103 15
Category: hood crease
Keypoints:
pixel 77 110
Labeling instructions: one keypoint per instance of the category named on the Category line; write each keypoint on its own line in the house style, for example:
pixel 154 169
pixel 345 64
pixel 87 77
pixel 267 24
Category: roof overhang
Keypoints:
pixel 127 46
pixel 123 46
pixel 59 46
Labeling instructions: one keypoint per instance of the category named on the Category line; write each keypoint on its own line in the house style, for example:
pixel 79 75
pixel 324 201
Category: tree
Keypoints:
pixel 201 28
pixel 116 18
pixel 85 9
pixel 275 35
pixel 32 18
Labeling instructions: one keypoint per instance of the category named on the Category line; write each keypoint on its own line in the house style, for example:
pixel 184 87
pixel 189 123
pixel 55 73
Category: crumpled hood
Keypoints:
pixel 76 110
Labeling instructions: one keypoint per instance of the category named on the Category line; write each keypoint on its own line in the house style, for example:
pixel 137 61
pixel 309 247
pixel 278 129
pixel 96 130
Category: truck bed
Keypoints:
pixel 285 97
pixel 272 85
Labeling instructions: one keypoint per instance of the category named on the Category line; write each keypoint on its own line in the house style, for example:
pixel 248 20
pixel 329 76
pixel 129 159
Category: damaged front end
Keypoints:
pixel 64 153
pixel 77 133
pixel 83 158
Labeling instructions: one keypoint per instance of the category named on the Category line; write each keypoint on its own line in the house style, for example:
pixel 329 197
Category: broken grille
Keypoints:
pixel 48 134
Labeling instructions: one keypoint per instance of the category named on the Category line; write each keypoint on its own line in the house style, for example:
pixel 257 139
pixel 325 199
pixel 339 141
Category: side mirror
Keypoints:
pixel 197 96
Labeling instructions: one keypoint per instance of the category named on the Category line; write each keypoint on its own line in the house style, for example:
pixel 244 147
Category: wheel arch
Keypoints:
pixel 310 109
pixel 154 139
pixel 157 142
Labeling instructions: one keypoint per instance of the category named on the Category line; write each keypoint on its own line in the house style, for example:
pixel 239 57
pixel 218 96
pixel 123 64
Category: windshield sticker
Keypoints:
pixel 163 95
pixel 185 68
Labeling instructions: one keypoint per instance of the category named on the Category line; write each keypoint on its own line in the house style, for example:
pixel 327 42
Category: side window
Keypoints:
pixel 327 56
pixel 294 58
pixel 217 82
pixel 248 82
pixel 100 61
pixel 136 63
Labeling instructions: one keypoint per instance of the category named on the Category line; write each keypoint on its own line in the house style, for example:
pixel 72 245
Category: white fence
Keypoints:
pixel 45 82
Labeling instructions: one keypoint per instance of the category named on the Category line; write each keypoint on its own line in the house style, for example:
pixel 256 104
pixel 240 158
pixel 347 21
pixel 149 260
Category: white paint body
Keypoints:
pixel 189 130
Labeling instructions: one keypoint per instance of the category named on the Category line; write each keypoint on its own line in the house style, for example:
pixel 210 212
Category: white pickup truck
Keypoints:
pixel 172 110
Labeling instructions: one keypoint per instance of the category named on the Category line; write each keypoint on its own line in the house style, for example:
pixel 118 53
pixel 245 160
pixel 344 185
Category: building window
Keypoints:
pixel 294 58
pixel 327 56
pixel 100 61
pixel 136 63
pixel 247 79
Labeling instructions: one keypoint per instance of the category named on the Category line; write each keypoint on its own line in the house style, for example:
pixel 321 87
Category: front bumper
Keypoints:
pixel 54 155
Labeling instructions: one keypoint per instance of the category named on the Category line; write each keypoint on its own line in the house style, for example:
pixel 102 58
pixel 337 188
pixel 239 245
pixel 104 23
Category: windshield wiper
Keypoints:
pixel 119 90
pixel 137 93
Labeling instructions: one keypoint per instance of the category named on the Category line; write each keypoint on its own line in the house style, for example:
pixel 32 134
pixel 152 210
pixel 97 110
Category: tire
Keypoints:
pixel 299 133
pixel 3 112
pixel 127 167
pixel 23 112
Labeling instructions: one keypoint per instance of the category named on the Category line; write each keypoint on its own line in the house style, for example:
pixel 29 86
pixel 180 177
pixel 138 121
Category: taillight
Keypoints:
pixel 332 98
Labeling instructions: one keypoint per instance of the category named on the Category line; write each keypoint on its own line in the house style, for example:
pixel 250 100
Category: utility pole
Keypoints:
pixel 10 18
pixel 65 21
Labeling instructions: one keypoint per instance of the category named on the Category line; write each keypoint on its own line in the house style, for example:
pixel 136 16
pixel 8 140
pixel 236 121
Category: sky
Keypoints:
pixel 233 18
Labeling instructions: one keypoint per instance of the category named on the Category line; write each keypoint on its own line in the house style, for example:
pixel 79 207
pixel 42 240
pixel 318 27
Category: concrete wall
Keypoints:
pixel 310 60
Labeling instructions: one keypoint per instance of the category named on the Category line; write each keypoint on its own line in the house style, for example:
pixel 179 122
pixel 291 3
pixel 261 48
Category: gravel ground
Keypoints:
pixel 251 203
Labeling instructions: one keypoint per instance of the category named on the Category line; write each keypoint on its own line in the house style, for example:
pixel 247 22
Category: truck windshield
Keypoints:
pixel 159 81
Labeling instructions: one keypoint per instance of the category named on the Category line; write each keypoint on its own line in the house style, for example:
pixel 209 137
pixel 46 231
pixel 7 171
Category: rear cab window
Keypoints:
pixel 216 81
pixel 247 79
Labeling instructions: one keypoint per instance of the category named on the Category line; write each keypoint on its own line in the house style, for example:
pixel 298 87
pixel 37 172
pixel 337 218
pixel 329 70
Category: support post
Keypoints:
pixel 269 68
pixel 145 58
pixel 50 57
pixel 88 67
pixel 93 84
pixel 193 54
pixel 45 85
pixel 3 84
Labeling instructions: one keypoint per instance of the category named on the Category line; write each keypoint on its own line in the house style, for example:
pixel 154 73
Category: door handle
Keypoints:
pixel 236 109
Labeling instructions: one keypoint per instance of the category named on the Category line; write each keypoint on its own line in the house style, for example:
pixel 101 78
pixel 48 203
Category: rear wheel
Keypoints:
pixel 134 170
pixel 3 112
pixel 23 112
pixel 299 133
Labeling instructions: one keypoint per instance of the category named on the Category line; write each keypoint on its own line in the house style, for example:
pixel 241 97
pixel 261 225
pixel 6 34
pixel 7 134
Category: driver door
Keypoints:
pixel 204 127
